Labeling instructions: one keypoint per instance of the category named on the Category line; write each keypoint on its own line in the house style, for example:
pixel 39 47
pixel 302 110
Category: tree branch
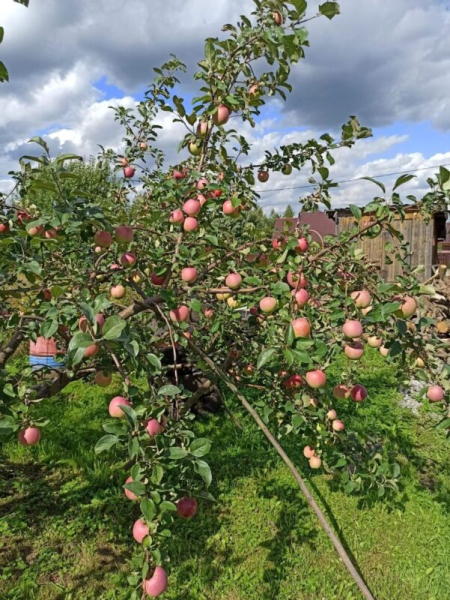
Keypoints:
pixel 7 351
pixel 311 501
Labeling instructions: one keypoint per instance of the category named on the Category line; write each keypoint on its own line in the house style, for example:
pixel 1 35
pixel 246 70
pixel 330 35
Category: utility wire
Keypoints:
pixel 302 187
pixel 312 185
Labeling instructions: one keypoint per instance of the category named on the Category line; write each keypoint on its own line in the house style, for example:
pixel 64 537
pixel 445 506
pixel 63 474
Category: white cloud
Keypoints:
pixel 352 164
pixel 384 61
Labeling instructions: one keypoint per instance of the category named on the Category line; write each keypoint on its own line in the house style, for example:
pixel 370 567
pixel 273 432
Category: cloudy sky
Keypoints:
pixel 386 61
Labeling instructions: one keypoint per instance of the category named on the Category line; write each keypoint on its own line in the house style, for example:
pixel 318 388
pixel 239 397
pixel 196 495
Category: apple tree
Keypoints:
pixel 151 270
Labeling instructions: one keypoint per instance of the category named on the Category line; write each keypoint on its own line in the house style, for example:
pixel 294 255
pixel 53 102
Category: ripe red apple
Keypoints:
pixel 338 425
pixel 332 415
pixel 354 350
pixel 216 193
pixel 263 176
pixel 176 216
pixel 34 231
pixel 190 224
pixel 293 382
pixel 228 208
pixel 278 244
pixel 308 452
pixel 103 239
pixel 408 307
pixel 189 274
pixel 124 162
pixel 302 245
pixel 128 259
pixel 4 228
pixel 178 175
pixel 202 129
pixel 91 351
pixel 362 298
pixel 29 436
pixel 129 172
pixel 435 393
pixel 22 216
pixel 129 494
pixel 366 311
pixel 352 329
pixel 268 305
pixel 233 281
pixel 187 507
pixel 202 183
pixel 374 341
pixel 202 199
pixel 103 379
pixel 124 234
pixel 301 327
pixel 117 291
pixel 341 392
pixel 154 427
pixel 192 207
pixel 315 462
pixel 180 314
pixel 140 531
pixel 83 323
pixel 50 234
pixel 296 280
pixel 222 115
pixel 156 584
pixel 157 279
pixel 316 379
pixel 277 17
pixel 115 267
pixel 114 407
pixel 358 393
pixel 301 297
pixel 209 313
pixel 384 351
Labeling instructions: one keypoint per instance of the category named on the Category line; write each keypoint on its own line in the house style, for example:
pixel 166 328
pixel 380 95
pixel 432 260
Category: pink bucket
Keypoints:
pixel 43 347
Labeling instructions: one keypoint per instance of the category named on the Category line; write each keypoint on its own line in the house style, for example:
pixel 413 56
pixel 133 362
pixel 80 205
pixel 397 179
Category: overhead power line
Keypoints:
pixel 303 187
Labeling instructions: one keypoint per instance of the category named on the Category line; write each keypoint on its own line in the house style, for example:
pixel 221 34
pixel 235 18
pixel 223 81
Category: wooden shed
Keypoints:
pixel 422 237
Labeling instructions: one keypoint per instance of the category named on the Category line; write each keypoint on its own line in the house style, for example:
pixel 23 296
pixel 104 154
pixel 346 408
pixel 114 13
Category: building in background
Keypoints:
pixel 320 225
pixel 429 243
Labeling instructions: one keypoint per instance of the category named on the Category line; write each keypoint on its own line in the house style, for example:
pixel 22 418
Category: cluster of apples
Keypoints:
pixel 187 507
pixel 358 393
pixel 315 462
pixel 35 231
pixel 220 118
pixel 123 234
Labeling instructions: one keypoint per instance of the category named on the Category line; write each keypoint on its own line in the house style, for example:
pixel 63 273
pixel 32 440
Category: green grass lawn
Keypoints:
pixel 65 527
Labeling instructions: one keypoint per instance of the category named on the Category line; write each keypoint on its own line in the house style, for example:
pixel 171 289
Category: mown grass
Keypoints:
pixel 65 525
